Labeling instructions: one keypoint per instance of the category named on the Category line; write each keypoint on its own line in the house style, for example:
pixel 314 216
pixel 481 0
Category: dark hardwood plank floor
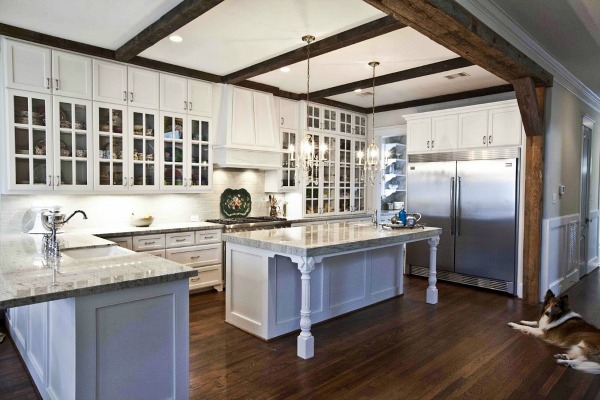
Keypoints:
pixel 398 349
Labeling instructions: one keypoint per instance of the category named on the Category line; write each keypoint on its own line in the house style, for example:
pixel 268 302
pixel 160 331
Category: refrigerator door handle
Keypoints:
pixel 452 206
pixel 458 216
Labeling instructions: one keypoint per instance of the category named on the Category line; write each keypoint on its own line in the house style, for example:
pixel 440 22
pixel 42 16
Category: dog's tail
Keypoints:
pixel 590 367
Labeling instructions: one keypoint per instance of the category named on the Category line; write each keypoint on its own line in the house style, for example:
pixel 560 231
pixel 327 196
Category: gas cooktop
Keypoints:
pixel 251 223
pixel 244 220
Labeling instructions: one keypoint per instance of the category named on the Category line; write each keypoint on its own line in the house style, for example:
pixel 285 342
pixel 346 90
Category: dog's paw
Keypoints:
pixel 513 325
pixel 566 363
pixel 529 323
pixel 561 357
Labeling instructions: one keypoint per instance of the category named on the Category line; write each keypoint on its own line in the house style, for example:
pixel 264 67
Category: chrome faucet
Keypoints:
pixel 53 220
pixel 374 217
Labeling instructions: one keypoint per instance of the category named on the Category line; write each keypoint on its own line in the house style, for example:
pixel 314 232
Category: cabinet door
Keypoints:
pixel 173 93
pixel 143 87
pixel 360 125
pixel 173 128
pixel 110 142
pixel 358 177
pixel 472 129
pixel 242 124
pixel 199 98
pixel 73 156
pixel 345 175
pixel 330 120
pixel 311 192
pixel 345 122
pixel 327 180
pixel 314 118
pixel 288 165
pixel 444 132
pixel 504 127
pixel 30 141
pixel 200 162
pixel 72 75
pixel 110 82
pixel 265 128
pixel 288 114
pixel 143 149
pixel 27 67
pixel 419 135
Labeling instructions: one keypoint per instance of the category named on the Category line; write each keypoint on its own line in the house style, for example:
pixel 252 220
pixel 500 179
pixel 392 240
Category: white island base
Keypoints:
pixel 270 294
pixel 130 343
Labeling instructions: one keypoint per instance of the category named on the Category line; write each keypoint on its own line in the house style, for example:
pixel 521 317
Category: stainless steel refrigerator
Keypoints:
pixel 473 197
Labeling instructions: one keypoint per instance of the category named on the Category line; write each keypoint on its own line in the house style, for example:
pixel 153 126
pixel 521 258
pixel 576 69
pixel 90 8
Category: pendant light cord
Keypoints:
pixel 373 116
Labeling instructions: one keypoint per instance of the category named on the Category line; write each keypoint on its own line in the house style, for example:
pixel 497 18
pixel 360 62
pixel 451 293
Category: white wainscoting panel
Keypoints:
pixel 593 244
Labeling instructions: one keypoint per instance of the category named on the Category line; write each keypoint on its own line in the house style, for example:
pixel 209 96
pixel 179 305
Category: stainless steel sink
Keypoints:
pixel 96 252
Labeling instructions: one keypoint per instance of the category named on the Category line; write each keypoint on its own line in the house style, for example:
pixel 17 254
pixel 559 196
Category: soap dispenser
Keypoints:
pixel 402 216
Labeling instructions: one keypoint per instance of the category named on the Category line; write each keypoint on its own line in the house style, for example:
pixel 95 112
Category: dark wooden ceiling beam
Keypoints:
pixel 417 72
pixel 454 27
pixel 355 35
pixel 527 99
pixel 175 69
pixel 445 98
pixel 177 17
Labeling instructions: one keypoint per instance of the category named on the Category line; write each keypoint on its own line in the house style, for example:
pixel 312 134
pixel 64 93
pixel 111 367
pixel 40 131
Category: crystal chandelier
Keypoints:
pixel 307 146
pixel 370 158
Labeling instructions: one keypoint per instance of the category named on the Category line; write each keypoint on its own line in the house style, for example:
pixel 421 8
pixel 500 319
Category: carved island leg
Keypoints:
pixel 432 292
pixel 306 341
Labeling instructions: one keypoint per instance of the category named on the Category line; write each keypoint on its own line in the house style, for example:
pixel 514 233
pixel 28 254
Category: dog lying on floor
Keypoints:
pixel 562 327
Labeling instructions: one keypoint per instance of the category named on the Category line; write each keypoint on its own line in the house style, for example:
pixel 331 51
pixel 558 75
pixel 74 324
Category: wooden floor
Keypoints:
pixel 399 349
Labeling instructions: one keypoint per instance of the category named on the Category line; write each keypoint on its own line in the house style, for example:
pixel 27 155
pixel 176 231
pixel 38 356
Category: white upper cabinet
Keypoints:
pixel 242 123
pixel 288 114
pixel 42 70
pixel 345 122
pixel 142 85
pixel 266 131
pixel 505 128
pixel 443 132
pixel 360 125
pixel 419 134
pixel 110 82
pixel 472 128
pixel 190 96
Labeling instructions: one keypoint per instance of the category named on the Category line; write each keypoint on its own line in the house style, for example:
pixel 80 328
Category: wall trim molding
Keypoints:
pixel 498 20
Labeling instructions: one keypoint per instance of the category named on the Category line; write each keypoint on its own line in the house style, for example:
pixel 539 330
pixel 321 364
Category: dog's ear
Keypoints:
pixel 564 300
pixel 549 295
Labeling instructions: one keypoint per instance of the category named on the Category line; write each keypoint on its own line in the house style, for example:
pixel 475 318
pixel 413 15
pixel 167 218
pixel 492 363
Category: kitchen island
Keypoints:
pixel 342 267
pixel 101 322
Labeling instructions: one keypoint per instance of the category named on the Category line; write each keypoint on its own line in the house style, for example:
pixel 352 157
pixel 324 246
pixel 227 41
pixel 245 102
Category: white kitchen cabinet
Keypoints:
pixel 360 125
pixel 148 242
pixel 200 162
pixel 42 70
pixel 142 87
pixel 320 118
pixel 473 129
pixel 351 180
pixel 142 155
pixel 419 134
pixel 110 82
pixel 320 193
pixel 346 120
pixel 284 179
pixel 505 128
pixel 123 241
pixel 111 146
pixel 182 95
pixel 30 141
pixel 288 114
pixel 444 131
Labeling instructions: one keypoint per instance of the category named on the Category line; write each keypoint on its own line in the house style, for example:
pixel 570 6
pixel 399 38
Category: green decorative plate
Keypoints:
pixel 236 203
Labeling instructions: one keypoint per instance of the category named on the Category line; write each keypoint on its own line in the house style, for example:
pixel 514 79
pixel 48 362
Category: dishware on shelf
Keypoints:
pixel 141 220
pixel 40 148
pixel 398 205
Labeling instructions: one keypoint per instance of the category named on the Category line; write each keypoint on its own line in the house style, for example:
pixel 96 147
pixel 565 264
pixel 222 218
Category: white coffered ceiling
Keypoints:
pixel 240 33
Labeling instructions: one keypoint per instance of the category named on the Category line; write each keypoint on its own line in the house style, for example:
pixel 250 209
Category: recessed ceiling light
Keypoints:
pixel 357 90
pixel 285 69
pixel 176 38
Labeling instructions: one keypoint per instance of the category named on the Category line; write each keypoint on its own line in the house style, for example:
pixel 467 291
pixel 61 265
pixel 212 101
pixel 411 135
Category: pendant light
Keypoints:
pixel 371 160
pixel 306 156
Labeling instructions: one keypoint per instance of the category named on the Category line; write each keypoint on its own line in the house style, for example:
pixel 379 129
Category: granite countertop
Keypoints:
pixel 125 230
pixel 324 239
pixel 330 217
pixel 27 278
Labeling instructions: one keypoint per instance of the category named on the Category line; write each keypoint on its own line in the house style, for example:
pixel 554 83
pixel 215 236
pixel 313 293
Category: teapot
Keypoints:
pixel 412 219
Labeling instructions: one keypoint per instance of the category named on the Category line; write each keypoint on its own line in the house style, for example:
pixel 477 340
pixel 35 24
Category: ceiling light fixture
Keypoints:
pixel 372 163
pixel 357 90
pixel 285 69
pixel 175 38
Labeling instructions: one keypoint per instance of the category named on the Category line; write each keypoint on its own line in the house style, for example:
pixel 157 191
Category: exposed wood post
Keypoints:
pixel 531 105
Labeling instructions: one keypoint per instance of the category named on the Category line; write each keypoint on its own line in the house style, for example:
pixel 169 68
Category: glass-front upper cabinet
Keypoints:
pixel 360 125
pixel 314 117
pixel 330 119
pixel 345 122
pixel 73 165
pixel 288 165
pixel 200 161
pixel 110 143
pixel 320 191
pixel 173 151
pixel 358 196
pixel 143 149
pixel 30 141
pixel 345 182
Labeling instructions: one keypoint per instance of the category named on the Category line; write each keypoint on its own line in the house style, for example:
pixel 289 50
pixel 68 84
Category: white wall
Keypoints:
pixel 115 209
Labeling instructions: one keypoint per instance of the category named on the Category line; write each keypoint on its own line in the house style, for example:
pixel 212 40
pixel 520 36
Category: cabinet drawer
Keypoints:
pixel 157 253
pixel 206 277
pixel 148 242
pixel 180 239
pixel 124 241
pixel 212 236
pixel 196 256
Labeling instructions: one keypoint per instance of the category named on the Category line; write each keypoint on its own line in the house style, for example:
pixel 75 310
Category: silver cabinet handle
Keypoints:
pixel 57 180
pixel 124 95
pixel 185 105
pixel 432 142
pixel 125 181
pixel 458 213
pixel 428 144
pixel 195 257
pixel 490 139
pixel 485 137
pixel 208 237
pixel 180 240
pixel 131 97
pixel 131 180
pixel 452 206
pixel 190 106
pixel 49 180
pixel 47 83
pixel 282 120
pixel 56 80
pixel 147 243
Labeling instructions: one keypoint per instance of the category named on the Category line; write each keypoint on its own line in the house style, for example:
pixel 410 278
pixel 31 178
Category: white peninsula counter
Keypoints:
pixel 102 323
pixel 342 267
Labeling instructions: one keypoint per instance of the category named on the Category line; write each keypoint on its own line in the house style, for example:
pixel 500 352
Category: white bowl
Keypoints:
pixel 141 221
pixel 398 205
